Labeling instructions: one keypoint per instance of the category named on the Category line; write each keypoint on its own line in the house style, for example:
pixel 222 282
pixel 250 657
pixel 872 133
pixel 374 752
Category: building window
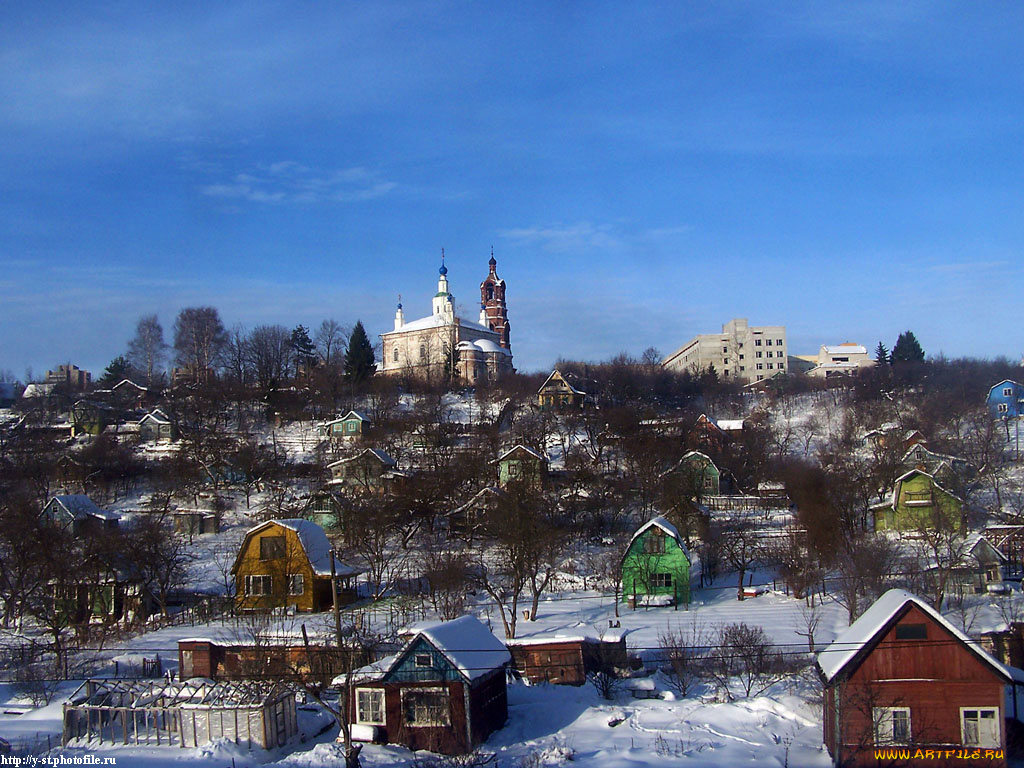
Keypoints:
pixel 1007 392
pixel 980 727
pixel 742 368
pixel 661 581
pixel 725 350
pixel 725 361
pixel 423 351
pixel 892 725
pixel 1002 408
pixel 271 547
pixel 767 342
pixel 370 706
pixel 760 366
pixel 757 342
pixel 770 365
pixel 741 356
pixel 758 353
pixel 422 660
pixel 760 378
pixel 911 632
pixel 296 584
pixel 654 542
pixel 778 342
pixel 425 706
pixel 259 586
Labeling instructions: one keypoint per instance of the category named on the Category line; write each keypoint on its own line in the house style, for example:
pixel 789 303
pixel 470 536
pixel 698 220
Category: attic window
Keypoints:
pixel 911 632
pixel 422 660
pixel 654 542
pixel 271 547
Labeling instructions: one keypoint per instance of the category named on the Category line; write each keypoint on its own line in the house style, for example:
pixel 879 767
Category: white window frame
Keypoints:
pixel 296 584
pixel 1007 391
pixel 447 720
pixel 1002 408
pixel 662 581
pixel 377 693
pixel 882 718
pixel 257 578
pixel 995 738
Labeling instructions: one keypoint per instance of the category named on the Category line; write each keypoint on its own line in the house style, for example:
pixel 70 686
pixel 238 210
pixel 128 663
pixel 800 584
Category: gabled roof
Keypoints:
pixel 859 639
pixel 346 417
pixel 561 376
pixel 669 529
pixel 80 506
pixel 1002 383
pixel 127 383
pixel 156 415
pixel 489 490
pixel 314 542
pixel 519 447
pixel 980 540
pixel 465 642
pixel 899 482
pixel 377 453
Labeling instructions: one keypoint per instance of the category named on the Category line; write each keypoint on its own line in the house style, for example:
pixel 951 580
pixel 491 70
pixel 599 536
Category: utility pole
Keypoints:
pixel 334 600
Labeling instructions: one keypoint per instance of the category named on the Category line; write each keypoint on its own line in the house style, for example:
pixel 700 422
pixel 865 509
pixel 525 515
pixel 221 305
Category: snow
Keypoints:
pixel 467 644
pixel 668 528
pixel 844 648
pixel 79 505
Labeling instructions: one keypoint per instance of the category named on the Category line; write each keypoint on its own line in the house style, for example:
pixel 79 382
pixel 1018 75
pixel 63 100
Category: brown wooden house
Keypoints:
pixel 905 681
pixel 444 691
pixel 558 393
pixel 202 657
pixel 567 658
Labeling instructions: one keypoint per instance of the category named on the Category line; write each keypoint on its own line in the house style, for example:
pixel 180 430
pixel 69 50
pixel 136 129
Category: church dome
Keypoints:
pixel 443 270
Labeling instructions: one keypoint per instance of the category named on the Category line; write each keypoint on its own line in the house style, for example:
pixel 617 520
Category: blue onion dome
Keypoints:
pixel 399 305
pixel 443 270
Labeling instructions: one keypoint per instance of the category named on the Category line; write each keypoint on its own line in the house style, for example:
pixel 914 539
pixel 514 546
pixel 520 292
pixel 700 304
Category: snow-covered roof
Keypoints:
pixel 667 527
pixel 380 455
pixel 581 633
pixel 833 659
pixel 975 539
pixel 439 321
pixel 156 415
pixel 730 425
pixel 520 447
pixel 467 644
pixel 127 383
pixel 484 345
pixel 561 376
pixel 314 543
pixel 79 506
pixel 38 389
pixel 845 349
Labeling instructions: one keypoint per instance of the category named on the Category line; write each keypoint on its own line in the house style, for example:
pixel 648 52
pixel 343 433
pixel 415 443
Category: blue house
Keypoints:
pixel 1006 399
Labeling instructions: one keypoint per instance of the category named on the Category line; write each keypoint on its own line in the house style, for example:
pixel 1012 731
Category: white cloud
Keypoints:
pixel 287 181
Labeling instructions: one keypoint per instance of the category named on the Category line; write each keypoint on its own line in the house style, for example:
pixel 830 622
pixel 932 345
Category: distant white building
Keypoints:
pixel 741 352
pixel 840 360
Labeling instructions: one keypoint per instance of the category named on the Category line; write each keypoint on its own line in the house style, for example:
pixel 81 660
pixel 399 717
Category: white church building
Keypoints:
pixel 443 346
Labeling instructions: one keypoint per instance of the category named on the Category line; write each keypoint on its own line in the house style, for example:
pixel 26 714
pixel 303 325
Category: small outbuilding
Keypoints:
pixel 190 713
pixel 444 691
pixel 901 677
pixel 566 658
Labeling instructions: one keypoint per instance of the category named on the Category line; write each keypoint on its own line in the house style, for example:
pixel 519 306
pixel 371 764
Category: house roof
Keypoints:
pixel 314 543
pixel 156 415
pixel 377 453
pixel 128 383
pixel 465 642
pixel 560 375
pixel 667 527
pixel 1002 383
pixel 860 636
pixel 730 425
pixel 521 447
pixel 346 417
pixel 438 321
pixel 80 506
pixel 979 539
pixel 847 348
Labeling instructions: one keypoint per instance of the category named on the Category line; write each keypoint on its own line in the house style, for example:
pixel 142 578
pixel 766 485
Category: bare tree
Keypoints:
pixel 684 652
pixel 745 654
pixel 199 340
pixel 270 353
pixel 147 349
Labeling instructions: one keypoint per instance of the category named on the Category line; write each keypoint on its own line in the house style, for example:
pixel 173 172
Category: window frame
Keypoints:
pixel 408 693
pixel 272 542
pixel 300 580
pixel 662 581
pixel 998 735
pixel 255 578
pixel 883 725
pixel 375 693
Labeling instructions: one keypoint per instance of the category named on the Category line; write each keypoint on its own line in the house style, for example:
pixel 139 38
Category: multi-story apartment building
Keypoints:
pixel 70 376
pixel 741 352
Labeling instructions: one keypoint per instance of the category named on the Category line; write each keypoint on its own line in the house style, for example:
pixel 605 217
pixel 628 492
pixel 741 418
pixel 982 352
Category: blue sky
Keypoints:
pixel 644 172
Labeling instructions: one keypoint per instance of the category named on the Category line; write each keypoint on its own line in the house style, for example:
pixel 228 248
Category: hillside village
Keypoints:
pixel 313 557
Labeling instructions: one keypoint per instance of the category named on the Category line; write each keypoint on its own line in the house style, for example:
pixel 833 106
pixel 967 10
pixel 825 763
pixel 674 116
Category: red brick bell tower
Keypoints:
pixel 492 304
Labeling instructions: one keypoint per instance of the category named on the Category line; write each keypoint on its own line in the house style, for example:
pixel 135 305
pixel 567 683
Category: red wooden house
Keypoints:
pixel 444 691
pixel 904 686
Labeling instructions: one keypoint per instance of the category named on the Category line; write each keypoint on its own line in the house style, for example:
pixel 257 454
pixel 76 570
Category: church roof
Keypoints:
pixel 437 321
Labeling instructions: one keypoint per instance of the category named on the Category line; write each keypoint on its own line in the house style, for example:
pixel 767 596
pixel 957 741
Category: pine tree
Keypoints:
pixel 359 360
pixel 907 349
pixel 303 351
pixel 882 355
pixel 118 370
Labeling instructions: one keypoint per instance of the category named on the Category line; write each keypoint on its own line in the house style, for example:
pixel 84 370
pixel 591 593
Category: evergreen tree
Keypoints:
pixel 118 370
pixel 303 351
pixel 882 355
pixel 907 349
pixel 359 361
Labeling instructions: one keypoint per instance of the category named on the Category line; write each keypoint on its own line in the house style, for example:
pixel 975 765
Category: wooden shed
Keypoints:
pixel 444 691
pixel 903 685
pixel 565 658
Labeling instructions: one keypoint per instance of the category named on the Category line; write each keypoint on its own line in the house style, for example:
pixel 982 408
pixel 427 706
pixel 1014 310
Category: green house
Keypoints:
pixel 352 424
pixel 918 502
pixel 521 465
pixel 656 563
pixel 698 472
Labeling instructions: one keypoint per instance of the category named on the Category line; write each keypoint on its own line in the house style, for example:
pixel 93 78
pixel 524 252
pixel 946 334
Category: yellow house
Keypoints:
pixel 287 563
